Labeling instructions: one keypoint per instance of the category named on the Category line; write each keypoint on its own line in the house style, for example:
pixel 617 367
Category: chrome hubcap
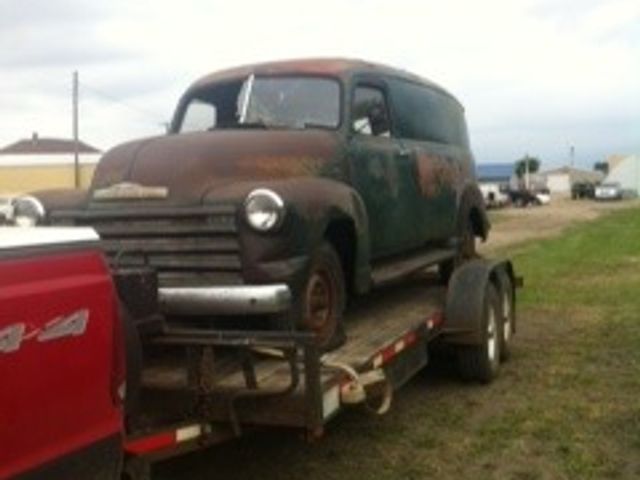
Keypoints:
pixel 506 310
pixel 492 341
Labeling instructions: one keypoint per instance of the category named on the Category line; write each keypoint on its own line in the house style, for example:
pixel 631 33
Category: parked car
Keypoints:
pixel 543 196
pixel 495 196
pixel 61 357
pixel 608 191
pixel 6 211
pixel 288 182
pixel 582 190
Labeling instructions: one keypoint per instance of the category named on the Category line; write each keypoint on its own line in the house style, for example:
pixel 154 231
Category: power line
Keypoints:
pixel 146 113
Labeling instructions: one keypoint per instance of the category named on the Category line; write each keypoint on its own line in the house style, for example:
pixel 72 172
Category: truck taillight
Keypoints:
pixel 118 374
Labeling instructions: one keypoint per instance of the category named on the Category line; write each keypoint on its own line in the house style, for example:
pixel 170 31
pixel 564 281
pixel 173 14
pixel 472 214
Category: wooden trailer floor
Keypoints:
pixel 372 324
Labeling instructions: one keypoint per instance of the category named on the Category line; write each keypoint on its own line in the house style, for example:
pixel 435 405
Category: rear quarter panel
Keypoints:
pixel 56 356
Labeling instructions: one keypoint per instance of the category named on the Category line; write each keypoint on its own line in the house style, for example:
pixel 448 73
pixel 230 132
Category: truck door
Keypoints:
pixel 382 173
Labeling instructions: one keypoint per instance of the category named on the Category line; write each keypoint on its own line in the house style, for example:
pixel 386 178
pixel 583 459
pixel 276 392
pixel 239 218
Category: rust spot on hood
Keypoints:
pixel 190 164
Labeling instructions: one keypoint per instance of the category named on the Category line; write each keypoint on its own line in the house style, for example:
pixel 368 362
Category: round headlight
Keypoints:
pixel 264 209
pixel 27 211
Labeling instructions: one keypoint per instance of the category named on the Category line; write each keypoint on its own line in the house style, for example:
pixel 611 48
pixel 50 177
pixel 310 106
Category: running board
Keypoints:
pixel 397 268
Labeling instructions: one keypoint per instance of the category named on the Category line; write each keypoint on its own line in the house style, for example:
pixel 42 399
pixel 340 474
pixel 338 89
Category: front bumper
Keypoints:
pixel 229 300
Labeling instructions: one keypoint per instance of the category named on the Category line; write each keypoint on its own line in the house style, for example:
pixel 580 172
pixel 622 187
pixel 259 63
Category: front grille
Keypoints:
pixel 186 246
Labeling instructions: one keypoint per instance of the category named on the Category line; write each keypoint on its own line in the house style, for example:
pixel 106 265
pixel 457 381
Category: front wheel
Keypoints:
pixel 319 304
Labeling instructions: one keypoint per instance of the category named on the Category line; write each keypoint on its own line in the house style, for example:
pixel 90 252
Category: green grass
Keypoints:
pixel 567 406
pixel 583 293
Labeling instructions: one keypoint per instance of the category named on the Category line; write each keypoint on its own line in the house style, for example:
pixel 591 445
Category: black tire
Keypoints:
pixel 508 314
pixel 318 306
pixel 481 363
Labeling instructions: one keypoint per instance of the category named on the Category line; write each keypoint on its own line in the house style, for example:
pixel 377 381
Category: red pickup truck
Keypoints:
pixel 61 360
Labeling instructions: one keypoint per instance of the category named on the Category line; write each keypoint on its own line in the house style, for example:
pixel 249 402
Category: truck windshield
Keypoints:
pixel 263 102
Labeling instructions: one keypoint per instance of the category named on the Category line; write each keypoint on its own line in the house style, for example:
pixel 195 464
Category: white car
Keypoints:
pixel 543 197
pixel 494 196
pixel 608 191
pixel 6 210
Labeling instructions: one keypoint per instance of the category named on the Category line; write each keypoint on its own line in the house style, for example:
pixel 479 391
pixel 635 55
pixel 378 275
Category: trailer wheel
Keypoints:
pixel 508 313
pixel 481 362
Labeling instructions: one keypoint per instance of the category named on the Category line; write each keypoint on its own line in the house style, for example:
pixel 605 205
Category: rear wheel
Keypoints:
pixel 481 362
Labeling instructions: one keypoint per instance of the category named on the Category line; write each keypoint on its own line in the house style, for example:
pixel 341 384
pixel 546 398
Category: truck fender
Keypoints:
pixel 466 296
pixel 351 209
pixel 471 203
pixel 319 202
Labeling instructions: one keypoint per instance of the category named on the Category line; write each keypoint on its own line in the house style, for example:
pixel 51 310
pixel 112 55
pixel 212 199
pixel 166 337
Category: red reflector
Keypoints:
pixel 410 338
pixel 150 444
pixel 436 319
pixel 388 353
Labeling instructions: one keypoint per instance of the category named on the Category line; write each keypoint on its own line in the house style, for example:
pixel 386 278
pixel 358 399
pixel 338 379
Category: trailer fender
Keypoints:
pixel 466 296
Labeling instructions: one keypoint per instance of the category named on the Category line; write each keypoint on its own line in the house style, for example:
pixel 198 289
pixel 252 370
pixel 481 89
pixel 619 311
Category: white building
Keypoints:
pixel 626 172
pixel 561 179
pixel 40 163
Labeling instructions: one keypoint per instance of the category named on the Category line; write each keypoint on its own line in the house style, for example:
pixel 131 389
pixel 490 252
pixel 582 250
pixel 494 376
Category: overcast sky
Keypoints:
pixel 535 76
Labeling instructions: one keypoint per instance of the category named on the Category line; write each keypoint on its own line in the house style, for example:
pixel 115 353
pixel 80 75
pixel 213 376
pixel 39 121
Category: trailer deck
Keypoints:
pixel 212 385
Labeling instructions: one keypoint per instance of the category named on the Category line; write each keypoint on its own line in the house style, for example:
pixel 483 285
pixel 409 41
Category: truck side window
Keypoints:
pixel 426 114
pixel 370 115
pixel 200 116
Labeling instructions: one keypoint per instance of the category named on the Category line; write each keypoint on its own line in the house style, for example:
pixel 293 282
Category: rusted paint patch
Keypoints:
pixel 435 173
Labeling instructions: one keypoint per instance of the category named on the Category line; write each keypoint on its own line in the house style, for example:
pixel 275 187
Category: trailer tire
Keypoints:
pixel 480 363
pixel 508 314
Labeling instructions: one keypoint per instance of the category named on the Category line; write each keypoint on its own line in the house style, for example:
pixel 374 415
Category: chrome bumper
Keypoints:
pixel 231 300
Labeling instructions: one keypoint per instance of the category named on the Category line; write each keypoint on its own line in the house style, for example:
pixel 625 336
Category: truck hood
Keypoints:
pixel 189 165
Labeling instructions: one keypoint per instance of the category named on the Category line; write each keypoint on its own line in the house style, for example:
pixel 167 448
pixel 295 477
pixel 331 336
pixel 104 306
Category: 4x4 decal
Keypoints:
pixel 72 325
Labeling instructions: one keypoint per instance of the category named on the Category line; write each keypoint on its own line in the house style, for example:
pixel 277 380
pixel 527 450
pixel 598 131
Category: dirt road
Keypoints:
pixel 512 226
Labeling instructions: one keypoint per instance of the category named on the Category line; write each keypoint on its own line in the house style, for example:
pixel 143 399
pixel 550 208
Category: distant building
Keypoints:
pixel 494 180
pixel 42 163
pixel 561 179
pixel 495 172
pixel 625 170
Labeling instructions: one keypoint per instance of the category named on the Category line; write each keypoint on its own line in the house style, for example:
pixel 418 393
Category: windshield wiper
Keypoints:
pixel 258 124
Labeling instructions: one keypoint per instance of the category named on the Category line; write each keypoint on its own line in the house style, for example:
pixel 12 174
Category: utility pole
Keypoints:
pixel 572 155
pixel 76 161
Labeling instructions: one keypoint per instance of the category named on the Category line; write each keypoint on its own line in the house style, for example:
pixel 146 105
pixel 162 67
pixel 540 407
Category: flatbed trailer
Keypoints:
pixel 210 386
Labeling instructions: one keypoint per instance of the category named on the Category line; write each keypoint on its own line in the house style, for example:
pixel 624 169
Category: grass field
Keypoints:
pixel 567 405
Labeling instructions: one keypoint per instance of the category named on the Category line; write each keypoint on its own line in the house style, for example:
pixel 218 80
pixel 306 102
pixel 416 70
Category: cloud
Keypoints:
pixel 534 75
